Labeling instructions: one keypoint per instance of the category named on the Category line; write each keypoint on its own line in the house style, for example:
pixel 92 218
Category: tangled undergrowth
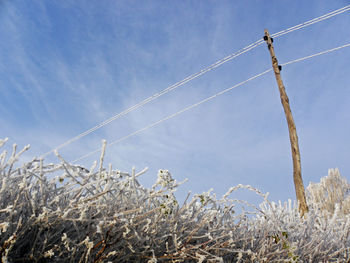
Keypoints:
pixel 67 213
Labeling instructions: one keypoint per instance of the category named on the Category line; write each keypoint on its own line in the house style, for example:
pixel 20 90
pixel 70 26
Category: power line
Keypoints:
pixel 312 21
pixel 177 113
pixel 207 99
pixel 315 55
pixel 193 76
pixel 156 95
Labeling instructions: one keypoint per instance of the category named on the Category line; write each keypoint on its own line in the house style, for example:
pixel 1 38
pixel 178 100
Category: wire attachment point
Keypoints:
pixel 266 38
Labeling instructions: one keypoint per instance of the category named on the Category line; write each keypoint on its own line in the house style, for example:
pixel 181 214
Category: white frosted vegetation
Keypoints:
pixel 331 194
pixel 66 213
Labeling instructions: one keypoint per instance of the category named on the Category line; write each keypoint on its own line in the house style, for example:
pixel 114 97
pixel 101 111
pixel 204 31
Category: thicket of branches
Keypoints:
pixel 67 213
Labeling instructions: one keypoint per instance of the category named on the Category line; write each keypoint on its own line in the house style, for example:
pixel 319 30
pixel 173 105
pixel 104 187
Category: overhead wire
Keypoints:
pixel 208 99
pixel 315 55
pixel 157 95
pixel 312 21
pixel 195 75
pixel 177 113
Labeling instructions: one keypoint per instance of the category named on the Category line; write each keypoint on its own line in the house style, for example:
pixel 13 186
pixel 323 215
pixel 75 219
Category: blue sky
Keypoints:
pixel 66 66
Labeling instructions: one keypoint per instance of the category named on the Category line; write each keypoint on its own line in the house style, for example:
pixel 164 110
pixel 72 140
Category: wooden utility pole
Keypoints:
pixel 298 180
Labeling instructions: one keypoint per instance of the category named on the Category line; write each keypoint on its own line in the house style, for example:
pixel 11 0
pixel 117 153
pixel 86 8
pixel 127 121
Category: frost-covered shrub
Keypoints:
pixel 332 192
pixel 66 213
